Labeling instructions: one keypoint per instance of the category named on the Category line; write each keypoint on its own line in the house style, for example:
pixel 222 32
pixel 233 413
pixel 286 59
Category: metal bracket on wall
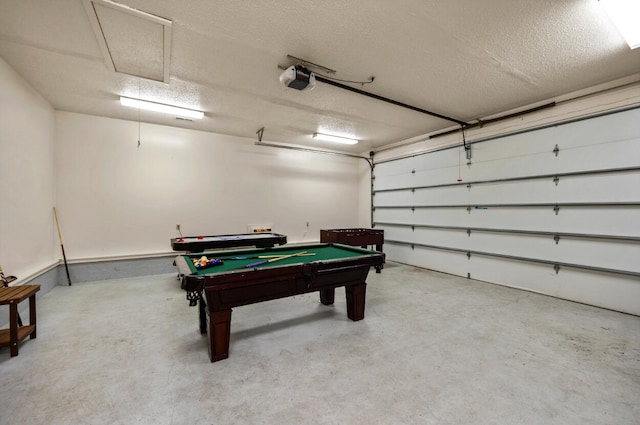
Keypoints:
pixel 556 179
pixel 467 146
pixel 556 209
pixel 556 267
pixel 556 238
pixel 556 150
pixel 468 255
pixel 469 232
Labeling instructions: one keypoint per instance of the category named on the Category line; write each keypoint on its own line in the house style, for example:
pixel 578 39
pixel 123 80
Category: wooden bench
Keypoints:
pixel 13 296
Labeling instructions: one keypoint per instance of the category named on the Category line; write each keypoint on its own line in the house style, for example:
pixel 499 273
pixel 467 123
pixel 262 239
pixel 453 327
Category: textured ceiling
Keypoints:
pixel 465 59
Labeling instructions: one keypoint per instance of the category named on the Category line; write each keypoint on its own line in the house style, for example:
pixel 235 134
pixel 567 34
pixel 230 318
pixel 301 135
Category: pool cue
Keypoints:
pixel 259 263
pixel 277 256
pixel 259 256
pixel 64 256
pixel 286 256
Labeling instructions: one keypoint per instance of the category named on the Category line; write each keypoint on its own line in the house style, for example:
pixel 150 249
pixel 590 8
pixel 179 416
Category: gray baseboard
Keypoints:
pixel 91 272
pixel 117 269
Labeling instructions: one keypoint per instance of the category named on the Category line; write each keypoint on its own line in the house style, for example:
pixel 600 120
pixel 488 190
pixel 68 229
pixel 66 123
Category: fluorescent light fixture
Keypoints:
pixel 335 139
pixel 160 107
pixel 625 15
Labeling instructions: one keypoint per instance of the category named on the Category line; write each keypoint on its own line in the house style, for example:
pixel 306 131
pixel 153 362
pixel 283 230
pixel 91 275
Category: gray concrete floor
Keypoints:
pixel 432 349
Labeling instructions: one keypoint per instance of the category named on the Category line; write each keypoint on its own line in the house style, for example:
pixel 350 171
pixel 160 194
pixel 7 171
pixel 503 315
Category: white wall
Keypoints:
pixel 26 177
pixel 117 199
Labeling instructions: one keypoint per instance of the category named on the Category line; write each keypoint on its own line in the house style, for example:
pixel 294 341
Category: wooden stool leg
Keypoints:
pixel 18 331
pixel 32 315
pixel 13 328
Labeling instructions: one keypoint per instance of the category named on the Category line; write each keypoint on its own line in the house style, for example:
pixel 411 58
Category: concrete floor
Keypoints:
pixel 433 349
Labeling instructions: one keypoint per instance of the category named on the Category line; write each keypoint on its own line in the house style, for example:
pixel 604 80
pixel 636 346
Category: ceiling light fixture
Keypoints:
pixel 335 139
pixel 625 15
pixel 161 107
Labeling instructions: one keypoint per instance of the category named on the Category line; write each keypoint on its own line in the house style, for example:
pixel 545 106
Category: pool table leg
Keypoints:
pixel 355 300
pixel 327 296
pixel 219 330
pixel 379 249
pixel 381 266
pixel 202 304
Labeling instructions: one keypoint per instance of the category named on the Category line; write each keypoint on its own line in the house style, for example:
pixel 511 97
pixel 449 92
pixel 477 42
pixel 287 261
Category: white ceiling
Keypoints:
pixel 464 59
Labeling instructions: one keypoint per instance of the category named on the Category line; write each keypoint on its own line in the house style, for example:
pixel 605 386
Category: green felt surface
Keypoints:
pixel 322 253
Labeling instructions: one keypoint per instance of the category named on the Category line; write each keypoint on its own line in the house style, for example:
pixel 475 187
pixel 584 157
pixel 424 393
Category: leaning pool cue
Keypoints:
pixel 64 257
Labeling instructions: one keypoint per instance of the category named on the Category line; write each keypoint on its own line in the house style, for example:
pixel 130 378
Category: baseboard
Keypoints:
pixel 50 277
pixel 115 269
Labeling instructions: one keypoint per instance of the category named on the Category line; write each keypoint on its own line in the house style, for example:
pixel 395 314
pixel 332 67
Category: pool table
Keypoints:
pixel 201 243
pixel 240 281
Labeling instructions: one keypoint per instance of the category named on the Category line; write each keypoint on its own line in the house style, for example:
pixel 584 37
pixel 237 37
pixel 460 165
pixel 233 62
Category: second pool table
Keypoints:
pixel 202 243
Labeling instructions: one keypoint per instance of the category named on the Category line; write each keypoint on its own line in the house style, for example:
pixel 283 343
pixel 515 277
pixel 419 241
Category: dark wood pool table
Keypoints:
pixel 233 284
pixel 202 243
